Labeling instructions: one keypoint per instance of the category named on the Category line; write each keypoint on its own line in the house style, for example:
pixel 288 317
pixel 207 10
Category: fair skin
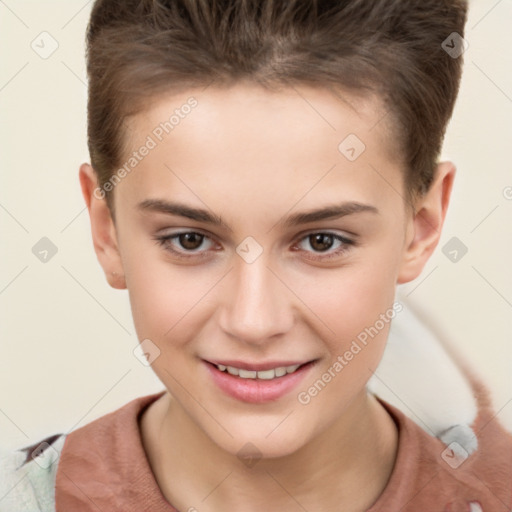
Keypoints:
pixel 254 157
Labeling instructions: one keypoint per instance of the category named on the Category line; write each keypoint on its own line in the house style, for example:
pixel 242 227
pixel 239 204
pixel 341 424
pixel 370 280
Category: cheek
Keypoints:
pixel 153 296
pixel 358 310
pixel 350 299
pixel 355 309
pixel 161 297
pixel 169 301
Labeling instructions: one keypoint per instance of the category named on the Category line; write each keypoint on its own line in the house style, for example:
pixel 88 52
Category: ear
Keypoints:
pixel 102 228
pixel 426 224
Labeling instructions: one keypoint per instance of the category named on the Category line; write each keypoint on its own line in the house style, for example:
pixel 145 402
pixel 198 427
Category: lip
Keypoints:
pixel 257 390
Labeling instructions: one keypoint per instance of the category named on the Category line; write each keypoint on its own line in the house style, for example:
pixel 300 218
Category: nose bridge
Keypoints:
pixel 257 306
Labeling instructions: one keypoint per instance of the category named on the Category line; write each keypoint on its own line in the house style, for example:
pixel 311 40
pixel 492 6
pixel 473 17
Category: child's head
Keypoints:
pixel 139 50
pixel 256 113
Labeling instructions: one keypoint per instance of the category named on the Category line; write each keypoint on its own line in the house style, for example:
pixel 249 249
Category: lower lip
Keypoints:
pixel 257 390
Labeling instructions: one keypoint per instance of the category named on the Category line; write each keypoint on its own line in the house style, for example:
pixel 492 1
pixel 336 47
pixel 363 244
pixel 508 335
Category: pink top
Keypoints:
pixel 103 466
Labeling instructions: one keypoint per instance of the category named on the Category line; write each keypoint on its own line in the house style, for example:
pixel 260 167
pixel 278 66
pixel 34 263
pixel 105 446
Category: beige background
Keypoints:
pixel 67 338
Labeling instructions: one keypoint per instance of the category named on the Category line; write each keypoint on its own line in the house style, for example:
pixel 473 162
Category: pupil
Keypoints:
pixel 321 237
pixel 187 240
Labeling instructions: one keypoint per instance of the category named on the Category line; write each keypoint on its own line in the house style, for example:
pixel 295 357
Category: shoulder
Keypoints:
pixel 102 458
pixel 33 478
pixel 27 476
pixel 466 469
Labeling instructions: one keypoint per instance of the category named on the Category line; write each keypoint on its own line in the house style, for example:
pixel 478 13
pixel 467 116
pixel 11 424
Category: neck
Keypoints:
pixel 342 468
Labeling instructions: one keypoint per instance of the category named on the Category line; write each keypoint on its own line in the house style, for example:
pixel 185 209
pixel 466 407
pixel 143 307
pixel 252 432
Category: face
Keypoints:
pixel 227 265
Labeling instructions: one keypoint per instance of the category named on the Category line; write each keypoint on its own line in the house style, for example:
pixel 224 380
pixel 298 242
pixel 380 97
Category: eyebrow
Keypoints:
pixel 334 211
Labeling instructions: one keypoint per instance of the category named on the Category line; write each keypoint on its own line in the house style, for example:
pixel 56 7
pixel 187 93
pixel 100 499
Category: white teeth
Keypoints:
pixel 264 374
pixel 247 374
pixel 280 371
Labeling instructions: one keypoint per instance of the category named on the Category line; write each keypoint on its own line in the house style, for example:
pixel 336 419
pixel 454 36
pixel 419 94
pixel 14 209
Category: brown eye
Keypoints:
pixel 325 245
pixel 321 241
pixel 187 244
pixel 190 240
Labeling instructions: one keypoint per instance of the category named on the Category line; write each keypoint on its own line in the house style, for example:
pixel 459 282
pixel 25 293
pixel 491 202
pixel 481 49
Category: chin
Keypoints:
pixel 255 442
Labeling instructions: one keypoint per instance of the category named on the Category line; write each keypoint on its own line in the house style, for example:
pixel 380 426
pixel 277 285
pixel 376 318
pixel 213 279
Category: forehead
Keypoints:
pixel 254 139
pixel 246 107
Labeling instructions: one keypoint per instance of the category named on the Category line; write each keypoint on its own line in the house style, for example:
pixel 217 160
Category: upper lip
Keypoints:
pixel 267 365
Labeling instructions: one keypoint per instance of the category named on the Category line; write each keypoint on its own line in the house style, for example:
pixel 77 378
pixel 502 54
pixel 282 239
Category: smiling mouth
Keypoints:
pixel 266 374
pixel 258 382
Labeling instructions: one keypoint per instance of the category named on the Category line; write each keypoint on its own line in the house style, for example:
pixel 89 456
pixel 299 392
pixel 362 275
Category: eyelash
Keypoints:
pixel 164 241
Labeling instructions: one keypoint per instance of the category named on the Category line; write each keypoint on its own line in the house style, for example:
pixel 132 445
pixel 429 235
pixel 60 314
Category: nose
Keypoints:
pixel 258 305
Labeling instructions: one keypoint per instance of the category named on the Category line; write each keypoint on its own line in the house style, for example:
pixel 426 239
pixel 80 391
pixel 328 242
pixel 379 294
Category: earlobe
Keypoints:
pixel 427 223
pixel 103 229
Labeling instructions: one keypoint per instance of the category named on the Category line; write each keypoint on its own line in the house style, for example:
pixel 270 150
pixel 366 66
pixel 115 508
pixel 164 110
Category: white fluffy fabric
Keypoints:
pixel 419 377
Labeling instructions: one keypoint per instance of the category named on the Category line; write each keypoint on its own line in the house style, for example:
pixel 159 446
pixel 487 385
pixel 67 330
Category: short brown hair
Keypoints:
pixel 139 49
